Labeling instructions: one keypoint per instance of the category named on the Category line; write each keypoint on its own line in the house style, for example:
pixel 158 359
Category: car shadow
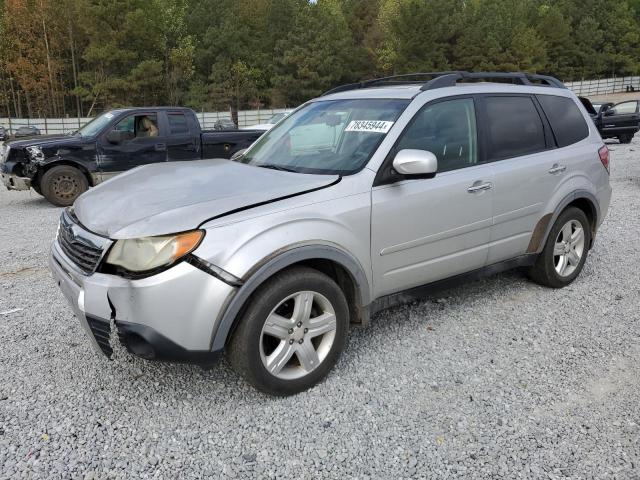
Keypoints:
pixel 219 383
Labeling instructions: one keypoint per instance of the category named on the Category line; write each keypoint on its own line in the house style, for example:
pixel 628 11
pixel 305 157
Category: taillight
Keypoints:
pixel 604 156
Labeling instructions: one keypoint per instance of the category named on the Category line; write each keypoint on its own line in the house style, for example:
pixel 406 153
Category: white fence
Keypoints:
pixel 604 86
pixel 247 118
pixel 207 120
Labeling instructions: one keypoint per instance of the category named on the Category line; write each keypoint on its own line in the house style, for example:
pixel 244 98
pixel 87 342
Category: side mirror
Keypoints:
pixel 115 136
pixel 416 163
pixel 609 111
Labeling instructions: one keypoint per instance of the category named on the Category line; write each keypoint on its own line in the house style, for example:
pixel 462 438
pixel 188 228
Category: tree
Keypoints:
pixel 83 56
pixel 423 32
pixel 313 56
pixel 32 55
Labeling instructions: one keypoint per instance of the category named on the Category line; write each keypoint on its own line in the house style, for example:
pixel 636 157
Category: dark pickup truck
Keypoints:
pixel 62 167
pixel 621 121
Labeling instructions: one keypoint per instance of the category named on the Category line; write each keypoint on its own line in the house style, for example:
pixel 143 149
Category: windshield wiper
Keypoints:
pixel 278 167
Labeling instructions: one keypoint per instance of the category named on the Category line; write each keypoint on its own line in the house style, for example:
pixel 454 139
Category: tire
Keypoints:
pixel 626 138
pixel 276 357
pixel 559 270
pixel 61 185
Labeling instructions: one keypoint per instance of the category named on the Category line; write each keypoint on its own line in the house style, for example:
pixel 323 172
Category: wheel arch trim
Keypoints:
pixel 68 162
pixel 275 263
pixel 550 221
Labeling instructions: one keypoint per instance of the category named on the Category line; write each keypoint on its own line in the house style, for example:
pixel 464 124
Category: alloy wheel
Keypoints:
pixel 298 335
pixel 568 248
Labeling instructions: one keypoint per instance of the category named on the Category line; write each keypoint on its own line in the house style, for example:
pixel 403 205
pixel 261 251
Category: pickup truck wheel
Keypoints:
pixel 565 252
pixel 626 138
pixel 61 185
pixel 292 332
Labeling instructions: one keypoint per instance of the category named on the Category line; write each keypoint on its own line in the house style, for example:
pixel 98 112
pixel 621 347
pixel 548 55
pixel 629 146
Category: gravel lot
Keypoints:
pixel 498 378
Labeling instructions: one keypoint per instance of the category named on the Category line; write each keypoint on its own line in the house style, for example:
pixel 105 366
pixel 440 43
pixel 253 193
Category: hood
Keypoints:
pixel 42 140
pixel 173 197
pixel 38 140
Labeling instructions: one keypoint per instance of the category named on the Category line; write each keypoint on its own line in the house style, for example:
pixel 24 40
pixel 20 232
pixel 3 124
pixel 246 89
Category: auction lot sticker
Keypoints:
pixel 373 126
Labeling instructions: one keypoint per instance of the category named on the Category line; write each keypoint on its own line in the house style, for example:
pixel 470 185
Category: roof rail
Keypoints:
pixel 450 79
pixel 403 79
pixel 518 78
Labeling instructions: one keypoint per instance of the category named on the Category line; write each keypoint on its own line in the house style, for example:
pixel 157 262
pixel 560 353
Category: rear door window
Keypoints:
pixel 566 121
pixel 514 127
pixel 178 124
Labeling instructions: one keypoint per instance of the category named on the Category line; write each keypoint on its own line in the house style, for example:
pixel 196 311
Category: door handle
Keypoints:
pixel 479 187
pixel 161 147
pixel 557 169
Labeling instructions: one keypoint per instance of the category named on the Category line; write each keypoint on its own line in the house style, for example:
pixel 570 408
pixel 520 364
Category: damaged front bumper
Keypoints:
pixel 14 182
pixel 170 316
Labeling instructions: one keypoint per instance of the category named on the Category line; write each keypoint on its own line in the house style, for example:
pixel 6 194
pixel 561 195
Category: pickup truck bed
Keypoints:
pixel 224 143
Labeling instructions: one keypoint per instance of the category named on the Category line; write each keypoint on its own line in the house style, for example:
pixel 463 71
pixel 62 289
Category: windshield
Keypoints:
pixel 96 125
pixel 326 137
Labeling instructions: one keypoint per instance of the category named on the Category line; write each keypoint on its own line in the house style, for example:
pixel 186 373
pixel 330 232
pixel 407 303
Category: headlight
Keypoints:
pixel 35 153
pixel 149 253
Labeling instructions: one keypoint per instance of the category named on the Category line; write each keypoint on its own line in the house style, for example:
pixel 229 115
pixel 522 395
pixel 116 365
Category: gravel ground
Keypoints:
pixel 499 378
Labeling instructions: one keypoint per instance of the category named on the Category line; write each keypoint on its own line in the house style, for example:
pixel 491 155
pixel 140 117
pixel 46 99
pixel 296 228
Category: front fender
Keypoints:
pixel 279 261
pixel 272 237
pixel 82 157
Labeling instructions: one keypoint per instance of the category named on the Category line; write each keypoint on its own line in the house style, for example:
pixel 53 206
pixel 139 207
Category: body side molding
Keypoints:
pixel 422 291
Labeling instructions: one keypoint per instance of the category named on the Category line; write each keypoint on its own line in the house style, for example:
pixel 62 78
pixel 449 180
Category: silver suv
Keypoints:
pixel 370 195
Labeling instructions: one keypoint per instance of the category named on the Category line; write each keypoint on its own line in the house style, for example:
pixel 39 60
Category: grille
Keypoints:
pixel 101 331
pixel 80 251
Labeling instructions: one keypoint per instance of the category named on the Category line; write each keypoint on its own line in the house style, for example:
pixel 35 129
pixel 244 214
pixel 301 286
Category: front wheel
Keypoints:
pixel 61 185
pixel 292 332
pixel 565 252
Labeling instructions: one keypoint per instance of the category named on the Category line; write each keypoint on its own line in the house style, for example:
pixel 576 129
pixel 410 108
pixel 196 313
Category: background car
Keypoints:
pixel 620 121
pixel 61 167
pixel 26 131
pixel 3 134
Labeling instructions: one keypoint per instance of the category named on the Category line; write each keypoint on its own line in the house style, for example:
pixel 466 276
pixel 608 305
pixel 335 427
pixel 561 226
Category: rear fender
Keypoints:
pixel 545 224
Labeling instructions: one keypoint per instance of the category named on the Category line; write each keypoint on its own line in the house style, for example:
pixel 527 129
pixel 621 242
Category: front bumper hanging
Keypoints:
pixel 14 182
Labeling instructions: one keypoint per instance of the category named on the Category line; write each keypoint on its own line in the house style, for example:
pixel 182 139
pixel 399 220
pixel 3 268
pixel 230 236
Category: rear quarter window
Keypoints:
pixel 566 121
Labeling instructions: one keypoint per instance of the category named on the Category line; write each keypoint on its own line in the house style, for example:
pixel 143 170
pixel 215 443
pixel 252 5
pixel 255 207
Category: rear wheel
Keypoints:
pixel 61 185
pixel 626 138
pixel 292 332
pixel 565 252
